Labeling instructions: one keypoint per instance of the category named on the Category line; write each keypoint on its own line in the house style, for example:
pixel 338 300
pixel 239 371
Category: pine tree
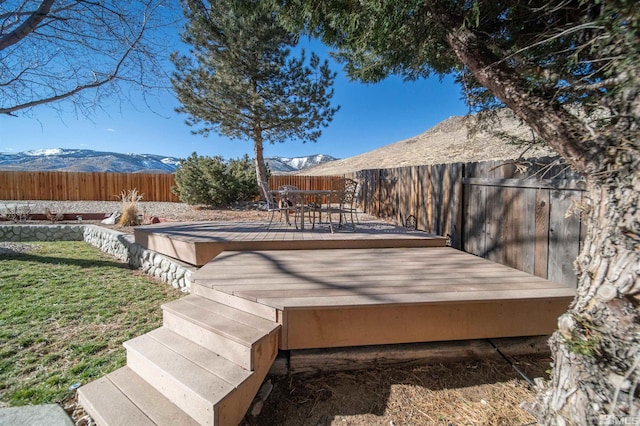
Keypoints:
pixel 242 81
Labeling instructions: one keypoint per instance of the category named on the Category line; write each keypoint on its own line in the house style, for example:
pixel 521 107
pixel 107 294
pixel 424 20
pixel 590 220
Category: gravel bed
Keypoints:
pixel 165 210
pixel 172 212
pixel 149 207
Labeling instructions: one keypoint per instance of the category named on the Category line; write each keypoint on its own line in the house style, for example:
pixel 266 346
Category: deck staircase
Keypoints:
pixel 203 366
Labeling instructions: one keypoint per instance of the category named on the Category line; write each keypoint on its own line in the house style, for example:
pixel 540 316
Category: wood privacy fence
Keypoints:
pixel 524 216
pixel 302 182
pixel 103 186
pixel 75 186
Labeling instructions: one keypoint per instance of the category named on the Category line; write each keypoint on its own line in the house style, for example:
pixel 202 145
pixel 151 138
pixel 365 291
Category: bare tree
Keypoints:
pixel 81 51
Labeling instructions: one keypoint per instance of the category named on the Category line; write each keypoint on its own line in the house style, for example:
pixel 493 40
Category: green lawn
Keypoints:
pixel 65 309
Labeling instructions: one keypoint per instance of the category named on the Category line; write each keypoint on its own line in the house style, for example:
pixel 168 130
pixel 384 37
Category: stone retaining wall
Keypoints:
pixel 14 233
pixel 117 244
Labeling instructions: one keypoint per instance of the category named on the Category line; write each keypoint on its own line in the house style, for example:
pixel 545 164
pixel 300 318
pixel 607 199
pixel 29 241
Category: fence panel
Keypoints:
pixel 403 191
pixel 511 213
pixel 370 190
pixel 518 217
pixel 76 186
pixel 303 182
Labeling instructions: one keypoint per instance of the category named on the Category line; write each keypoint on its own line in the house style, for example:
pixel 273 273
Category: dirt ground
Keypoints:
pixel 481 392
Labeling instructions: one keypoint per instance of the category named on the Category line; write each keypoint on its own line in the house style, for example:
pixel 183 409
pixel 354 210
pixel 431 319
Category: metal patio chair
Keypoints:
pixel 342 202
pixel 291 201
pixel 273 205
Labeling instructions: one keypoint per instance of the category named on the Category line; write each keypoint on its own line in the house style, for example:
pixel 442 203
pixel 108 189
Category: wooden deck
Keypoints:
pixel 199 242
pixel 379 285
pixel 269 290
pixel 353 297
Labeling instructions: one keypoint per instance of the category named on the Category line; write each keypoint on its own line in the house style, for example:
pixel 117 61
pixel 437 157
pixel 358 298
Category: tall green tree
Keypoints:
pixel 242 81
pixel 571 70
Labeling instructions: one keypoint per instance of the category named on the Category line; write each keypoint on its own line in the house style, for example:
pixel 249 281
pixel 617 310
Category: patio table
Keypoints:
pixel 305 195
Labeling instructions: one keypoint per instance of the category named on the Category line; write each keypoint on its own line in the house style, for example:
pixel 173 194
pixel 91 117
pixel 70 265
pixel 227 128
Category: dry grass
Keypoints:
pixel 130 213
pixel 485 392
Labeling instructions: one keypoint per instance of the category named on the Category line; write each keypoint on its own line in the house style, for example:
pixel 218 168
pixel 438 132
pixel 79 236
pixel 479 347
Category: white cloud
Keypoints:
pixel 110 130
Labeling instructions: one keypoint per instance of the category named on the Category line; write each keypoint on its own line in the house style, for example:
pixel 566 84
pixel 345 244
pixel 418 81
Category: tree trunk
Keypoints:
pixel 596 350
pixel 560 129
pixel 261 169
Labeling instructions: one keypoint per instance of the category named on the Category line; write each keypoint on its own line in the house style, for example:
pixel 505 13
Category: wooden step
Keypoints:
pixel 207 291
pixel 203 367
pixel 124 398
pixel 179 376
pixel 217 327
pixel 229 371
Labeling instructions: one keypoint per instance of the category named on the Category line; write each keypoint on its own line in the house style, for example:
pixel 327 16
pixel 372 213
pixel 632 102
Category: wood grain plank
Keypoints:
pixel 321 328
pixel 564 230
pixel 493 221
pixel 256 294
pixel 356 281
pixel 475 220
pixel 541 253
pixel 287 303
pixel 528 225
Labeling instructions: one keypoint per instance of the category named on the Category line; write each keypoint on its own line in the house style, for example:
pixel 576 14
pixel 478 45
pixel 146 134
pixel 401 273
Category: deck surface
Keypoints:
pixel 379 285
pixel 291 279
pixel 353 297
pixel 199 242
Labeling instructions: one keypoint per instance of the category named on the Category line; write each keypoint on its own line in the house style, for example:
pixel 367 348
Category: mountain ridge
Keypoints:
pixel 449 141
pixel 87 160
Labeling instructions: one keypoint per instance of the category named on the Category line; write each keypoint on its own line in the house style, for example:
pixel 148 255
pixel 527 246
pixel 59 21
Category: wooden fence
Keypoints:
pixel 102 186
pixel 75 186
pixel 497 210
pixel 302 182
pixel 525 219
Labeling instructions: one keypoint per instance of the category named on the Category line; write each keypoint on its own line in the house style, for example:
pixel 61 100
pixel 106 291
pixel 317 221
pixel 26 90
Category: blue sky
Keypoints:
pixel 371 115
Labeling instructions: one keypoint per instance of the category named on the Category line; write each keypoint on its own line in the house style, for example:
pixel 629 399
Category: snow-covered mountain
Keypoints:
pixel 86 160
pixel 279 165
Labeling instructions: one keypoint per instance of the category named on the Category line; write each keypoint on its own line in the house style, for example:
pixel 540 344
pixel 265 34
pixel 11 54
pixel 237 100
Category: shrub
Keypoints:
pixel 242 174
pixel 214 182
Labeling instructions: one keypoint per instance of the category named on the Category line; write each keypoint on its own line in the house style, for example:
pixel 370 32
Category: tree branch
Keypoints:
pixel 97 83
pixel 28 26
pixel 549 119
